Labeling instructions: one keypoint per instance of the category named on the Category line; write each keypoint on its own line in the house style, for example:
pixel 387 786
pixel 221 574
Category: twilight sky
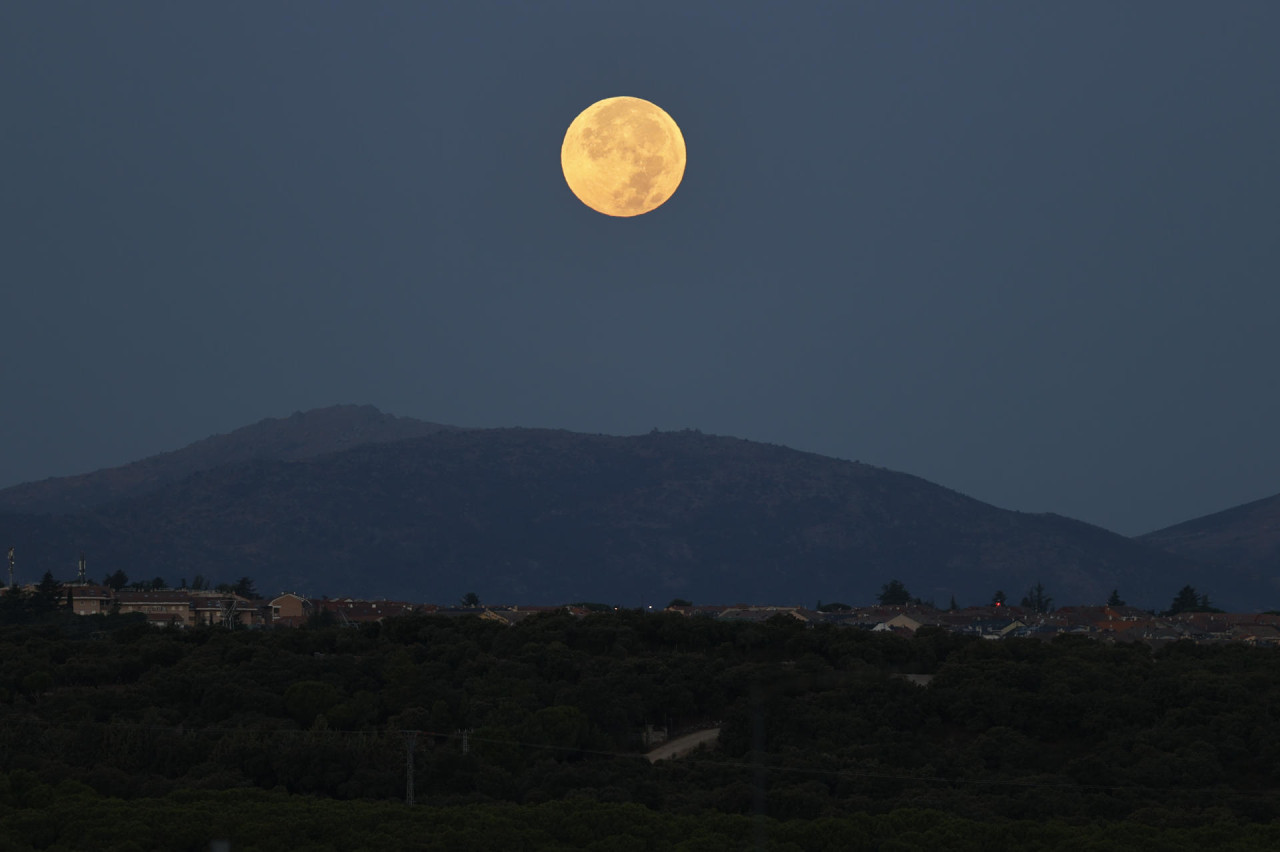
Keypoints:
pixel 1026 250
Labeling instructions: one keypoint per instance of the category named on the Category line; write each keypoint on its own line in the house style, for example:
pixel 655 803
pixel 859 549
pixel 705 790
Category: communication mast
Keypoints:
pixel 229 611
pixel 80 574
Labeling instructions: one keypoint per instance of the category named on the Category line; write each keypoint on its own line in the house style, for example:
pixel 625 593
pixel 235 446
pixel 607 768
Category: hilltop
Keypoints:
pixel 545 516
pixel 1243 541
pixel 299 436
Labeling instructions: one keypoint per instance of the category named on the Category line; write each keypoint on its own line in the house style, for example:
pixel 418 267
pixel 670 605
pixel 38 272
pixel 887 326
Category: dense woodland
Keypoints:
pixel 116 735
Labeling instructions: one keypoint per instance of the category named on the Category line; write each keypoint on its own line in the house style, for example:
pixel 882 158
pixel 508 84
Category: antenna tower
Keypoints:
pixel 229 611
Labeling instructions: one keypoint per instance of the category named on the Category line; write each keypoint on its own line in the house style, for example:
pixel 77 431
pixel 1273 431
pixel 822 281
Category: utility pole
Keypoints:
pixel 11 567
pixel 411 739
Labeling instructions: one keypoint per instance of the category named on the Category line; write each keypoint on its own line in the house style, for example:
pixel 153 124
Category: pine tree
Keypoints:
pixel 1189 600
pixel 48 593
pixel 893 593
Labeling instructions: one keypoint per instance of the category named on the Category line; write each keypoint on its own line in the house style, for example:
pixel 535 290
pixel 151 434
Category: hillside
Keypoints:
pixel 1243 540
pixel 302 435
pixel 534 516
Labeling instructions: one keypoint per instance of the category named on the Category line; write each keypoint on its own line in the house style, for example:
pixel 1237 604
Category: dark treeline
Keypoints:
pixel 1087 740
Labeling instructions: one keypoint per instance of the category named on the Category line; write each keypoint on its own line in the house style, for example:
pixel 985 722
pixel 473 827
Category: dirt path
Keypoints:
pixel 683 745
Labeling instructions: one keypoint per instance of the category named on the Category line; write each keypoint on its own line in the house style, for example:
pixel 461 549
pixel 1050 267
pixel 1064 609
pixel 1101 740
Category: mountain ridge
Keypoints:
pixel 534 516
pixel 1244 539
pixel 300 435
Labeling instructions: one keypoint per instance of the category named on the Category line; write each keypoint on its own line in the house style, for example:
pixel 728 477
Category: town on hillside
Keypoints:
pixel 239 606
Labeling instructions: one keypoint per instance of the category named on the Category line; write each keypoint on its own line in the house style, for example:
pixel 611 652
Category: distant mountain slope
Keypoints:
pixel 300 436
pixel 1243 540
pixel 543 516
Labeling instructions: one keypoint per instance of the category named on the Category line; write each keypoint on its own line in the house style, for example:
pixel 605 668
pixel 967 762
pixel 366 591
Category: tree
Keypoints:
pixel 679 602
pixel 244 588
pixel 1186 600
pixel 953 606
pixel 470 600
pixel 894 593
pixel 1114 600
pixel 48 594
pixel 118 580
pixel 1189 600
pixel 1037 600
pixel 998 598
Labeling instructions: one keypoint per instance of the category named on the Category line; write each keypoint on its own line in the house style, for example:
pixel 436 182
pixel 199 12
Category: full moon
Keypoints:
pixel 623 156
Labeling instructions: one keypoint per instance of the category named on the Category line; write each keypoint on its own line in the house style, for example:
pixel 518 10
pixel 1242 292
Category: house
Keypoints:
pixel 89 599
pixel 761 614
pixel 173 607
pixel 1256 634
pixel 516 614
pixel 995 628
pixel 900 623
pixel 290 610
pixel 229 609
pixel 1204 625
pixel 713 611
pixel 351 611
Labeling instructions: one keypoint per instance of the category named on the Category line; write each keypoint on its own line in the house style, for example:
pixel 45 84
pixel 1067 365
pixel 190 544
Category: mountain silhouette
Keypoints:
pixel 1241 542
pixel 302 435
pixel 543 516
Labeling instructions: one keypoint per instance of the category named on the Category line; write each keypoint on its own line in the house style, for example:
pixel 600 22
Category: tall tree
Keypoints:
pixel 1037 600
pixel 48 594
pixel 998 598
pixel 118 580
pixel 894 593
pixel 1114 600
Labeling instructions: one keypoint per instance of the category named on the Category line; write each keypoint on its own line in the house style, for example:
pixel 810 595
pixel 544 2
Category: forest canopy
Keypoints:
pixel 816 723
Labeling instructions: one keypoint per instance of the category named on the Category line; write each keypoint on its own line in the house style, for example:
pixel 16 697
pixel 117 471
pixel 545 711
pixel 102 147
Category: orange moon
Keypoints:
pixel 623 156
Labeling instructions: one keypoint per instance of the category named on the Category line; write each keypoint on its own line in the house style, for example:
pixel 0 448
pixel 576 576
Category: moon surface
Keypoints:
pixel 623 156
